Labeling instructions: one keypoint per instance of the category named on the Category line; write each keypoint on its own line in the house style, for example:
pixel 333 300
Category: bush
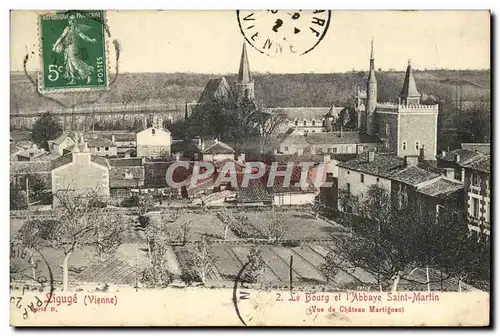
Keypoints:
pixel 189 273
pixel 156 277
pixel 131 201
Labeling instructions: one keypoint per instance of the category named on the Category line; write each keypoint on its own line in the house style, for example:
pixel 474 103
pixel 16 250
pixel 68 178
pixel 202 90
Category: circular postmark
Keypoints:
pixel 284 32
pixel 29 272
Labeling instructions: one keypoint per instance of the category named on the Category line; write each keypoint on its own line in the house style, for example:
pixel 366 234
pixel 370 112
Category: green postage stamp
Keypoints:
pixel 73 51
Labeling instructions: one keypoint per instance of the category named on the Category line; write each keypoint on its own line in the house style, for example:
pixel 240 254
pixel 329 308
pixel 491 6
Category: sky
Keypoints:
pixel 211 42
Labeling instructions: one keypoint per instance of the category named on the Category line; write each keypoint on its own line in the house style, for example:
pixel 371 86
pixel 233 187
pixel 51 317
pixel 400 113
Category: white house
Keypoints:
pixel 153 142
pixel 59 144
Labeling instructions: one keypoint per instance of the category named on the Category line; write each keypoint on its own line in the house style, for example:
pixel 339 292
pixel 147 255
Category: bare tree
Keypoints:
pixel 186 228
pixel 275 227
pixel 224 222
pixel 203 259
pixel 83 224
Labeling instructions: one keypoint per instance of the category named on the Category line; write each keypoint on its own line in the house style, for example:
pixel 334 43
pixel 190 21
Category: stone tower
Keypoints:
pixel 409 94
pixel 371 95
pixel 245 83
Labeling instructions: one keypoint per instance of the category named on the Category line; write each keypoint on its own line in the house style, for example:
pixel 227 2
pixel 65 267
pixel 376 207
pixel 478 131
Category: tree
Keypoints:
pixel 33 235
pixel 47 127
pixel 17 199
pixel 224 222
pixel 275 227
pixel 186 228
pixel 255 265
pixel 80 225
pixel 391 242
pixel 203 259
pixel 157 274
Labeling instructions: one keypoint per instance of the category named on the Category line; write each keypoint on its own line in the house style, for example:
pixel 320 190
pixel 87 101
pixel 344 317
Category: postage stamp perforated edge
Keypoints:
pixel 61 90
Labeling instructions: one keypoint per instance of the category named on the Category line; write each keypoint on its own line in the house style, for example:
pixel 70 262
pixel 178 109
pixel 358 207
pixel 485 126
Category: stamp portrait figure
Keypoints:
pixel 68 44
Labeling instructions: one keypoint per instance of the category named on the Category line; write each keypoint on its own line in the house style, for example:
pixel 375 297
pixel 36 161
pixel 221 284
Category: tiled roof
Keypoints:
pixel 21 167
pixel 336 138
pixel 60 138
pixel 481 163
pixel 129 162
pixel 32 152
pixel 99 160
pixel 465 155
pixel 295 139
pixel 413 175
pixel 20 135
pixel 304 113
pixel 217 147
pixel 215 88
pixel 256 191
pixel 120 177
pixel 441 188
pixel 62 160
pixel 14 149
pixel 479 147
pixel 384 165
pixel 155 174
pixel 409 86
pixel 124 137
pixel 100 142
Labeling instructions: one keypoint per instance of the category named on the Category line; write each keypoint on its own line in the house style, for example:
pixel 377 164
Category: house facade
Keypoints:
pixel 80 172
pixel 153 142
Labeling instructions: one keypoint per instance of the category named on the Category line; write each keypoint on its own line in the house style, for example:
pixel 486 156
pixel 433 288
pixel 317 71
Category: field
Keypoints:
pixel 305 266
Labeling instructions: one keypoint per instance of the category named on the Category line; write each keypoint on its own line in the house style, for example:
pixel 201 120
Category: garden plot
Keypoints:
pixel 200 224
pixel 305 270
pixel 301 225
pixel 346 275
pixel 268 275
pixel 227 263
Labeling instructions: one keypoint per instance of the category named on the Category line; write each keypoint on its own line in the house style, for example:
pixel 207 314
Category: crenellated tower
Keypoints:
pixel 371 95
pixel 245 83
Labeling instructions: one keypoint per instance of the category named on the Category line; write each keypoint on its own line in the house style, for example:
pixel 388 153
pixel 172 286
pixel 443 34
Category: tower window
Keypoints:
pixel 417 145
pixel 362 178
pixel 286 149
pixel 305 123
pixel 296 122
pixel 323 123
pixel 313 123
pixel 404 145
pixel 153 131
pixel 334 149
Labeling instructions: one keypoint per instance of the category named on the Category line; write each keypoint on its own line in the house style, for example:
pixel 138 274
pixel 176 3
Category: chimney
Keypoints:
pixel 449 173
pixel 85 147
pixel 443 153
pixel 177 156
pixel 457 158
pixel 411 160
pixel 113 137
pixel 359 149
pixel 371 156
pixel 340 133
pixel 422 153
pixel 241 158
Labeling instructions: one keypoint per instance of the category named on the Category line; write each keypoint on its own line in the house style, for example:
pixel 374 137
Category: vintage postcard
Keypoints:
pixel 250 168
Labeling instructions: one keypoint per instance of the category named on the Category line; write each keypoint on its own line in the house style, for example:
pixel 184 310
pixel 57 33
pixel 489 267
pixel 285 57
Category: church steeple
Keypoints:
pixel 245 84
pixel 371 95
pixel 244 74
pixel 409 94
pixel 372 59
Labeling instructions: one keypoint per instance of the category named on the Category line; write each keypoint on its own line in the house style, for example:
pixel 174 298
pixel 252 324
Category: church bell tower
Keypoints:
pixel 245 83
pixel 371 95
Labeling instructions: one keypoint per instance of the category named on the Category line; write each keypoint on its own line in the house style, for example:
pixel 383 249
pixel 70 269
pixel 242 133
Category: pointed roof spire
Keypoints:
pixel 371 54
pixel 409 86
pixel 244 74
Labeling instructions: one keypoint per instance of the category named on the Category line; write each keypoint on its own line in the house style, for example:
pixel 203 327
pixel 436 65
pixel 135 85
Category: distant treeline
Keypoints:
pixel 273 90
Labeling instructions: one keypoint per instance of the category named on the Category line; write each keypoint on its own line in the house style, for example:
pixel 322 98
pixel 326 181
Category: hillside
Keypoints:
pixel 274 89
